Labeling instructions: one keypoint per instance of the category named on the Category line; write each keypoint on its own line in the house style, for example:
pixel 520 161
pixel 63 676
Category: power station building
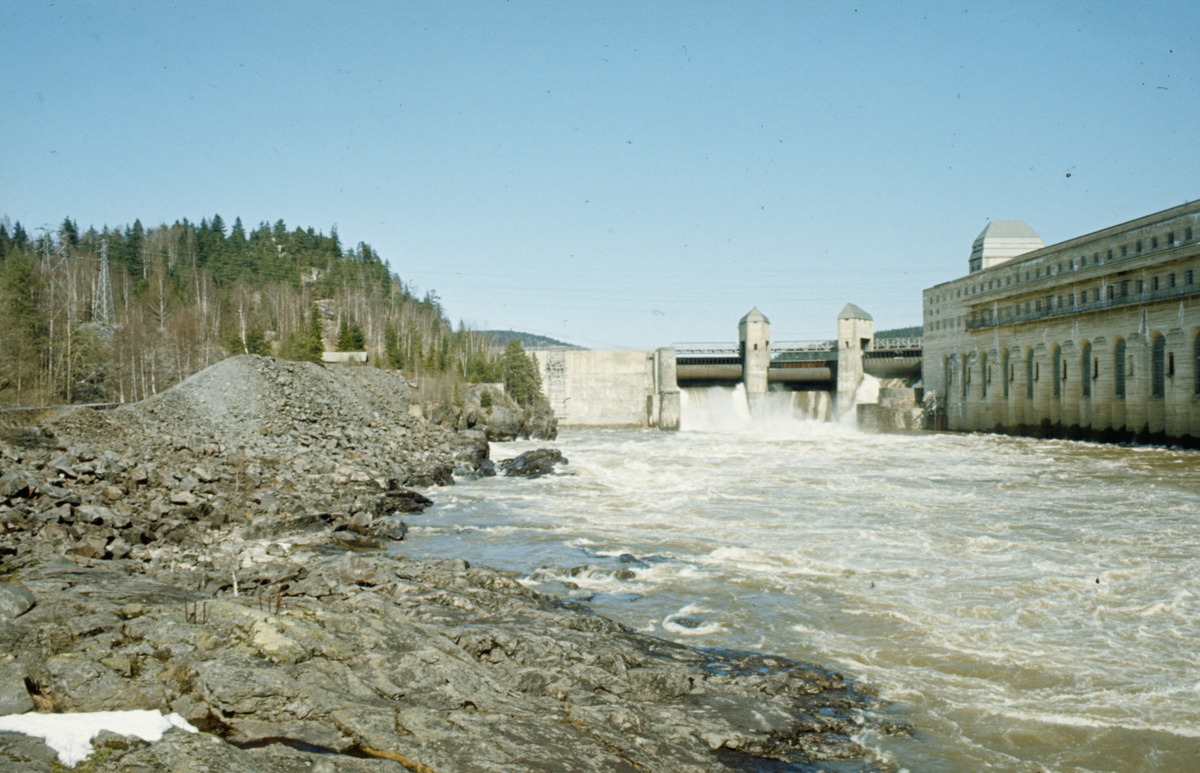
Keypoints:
pixel 1096 337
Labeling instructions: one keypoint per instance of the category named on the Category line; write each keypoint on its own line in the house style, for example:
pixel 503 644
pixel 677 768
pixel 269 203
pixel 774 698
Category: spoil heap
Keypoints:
pixel 249 440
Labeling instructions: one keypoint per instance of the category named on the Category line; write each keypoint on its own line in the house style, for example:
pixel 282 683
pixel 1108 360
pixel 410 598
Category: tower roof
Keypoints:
pixel 754 315
pixel 1001 241
pixel 853 312
pixel 1007 229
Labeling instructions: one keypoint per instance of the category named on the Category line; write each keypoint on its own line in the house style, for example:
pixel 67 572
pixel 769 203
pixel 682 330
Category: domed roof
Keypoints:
pixel 1007 229
pixel 853 312
pixel 754 315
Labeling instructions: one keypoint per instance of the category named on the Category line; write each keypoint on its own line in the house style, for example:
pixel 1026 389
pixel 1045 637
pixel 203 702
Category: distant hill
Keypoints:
pixel 901 332
pixel 528 340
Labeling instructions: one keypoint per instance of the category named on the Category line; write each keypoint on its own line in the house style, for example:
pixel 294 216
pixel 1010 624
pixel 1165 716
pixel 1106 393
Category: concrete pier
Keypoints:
pixel 856 332
pixel 754 343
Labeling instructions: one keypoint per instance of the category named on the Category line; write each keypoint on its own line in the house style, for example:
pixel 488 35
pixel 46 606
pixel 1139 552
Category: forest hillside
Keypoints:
pixel 118 314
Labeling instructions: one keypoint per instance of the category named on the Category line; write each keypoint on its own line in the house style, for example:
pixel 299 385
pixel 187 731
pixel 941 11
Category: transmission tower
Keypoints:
pixel 102 303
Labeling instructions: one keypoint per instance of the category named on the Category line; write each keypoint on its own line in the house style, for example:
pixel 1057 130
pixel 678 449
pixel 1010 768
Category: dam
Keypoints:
pixel 642 387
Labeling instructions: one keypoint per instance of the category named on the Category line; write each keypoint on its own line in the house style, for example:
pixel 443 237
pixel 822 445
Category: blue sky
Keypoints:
pixel 616 174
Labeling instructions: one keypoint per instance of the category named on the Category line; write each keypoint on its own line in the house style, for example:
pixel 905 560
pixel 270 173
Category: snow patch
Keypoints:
pixel 71 734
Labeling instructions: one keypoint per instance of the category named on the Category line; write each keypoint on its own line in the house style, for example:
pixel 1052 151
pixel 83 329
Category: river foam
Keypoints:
pixel 1027 605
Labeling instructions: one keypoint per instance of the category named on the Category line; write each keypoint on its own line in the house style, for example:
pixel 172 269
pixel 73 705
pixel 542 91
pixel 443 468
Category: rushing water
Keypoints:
pixel 1025 605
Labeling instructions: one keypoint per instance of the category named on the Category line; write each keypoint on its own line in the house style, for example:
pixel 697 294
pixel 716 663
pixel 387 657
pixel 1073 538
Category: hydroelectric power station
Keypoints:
pixel 642 388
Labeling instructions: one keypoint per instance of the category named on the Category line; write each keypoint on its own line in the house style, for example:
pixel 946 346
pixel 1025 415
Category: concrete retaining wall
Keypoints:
pixel 588 387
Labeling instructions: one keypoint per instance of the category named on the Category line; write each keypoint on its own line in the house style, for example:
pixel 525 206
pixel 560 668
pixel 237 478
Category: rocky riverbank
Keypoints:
pixel 201 553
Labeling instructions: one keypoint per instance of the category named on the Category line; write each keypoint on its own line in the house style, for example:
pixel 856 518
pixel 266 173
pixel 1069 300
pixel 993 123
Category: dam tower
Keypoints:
pixel 754 341
pixel 856 332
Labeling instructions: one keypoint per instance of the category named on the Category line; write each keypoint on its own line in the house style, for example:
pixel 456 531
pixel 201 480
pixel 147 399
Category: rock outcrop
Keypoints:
pixel 378 663
pixel 216 552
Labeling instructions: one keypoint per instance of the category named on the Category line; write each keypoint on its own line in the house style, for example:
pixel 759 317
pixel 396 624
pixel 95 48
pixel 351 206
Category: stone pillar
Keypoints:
pixel 856 332
pixel 1071 407
pixel 667 387
pixel 754 340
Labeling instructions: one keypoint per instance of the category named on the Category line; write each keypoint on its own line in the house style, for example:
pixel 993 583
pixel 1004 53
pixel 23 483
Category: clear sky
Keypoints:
pixel 612 174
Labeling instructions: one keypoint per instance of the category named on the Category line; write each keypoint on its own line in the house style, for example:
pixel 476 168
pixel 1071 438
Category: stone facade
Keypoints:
pixel 1096 337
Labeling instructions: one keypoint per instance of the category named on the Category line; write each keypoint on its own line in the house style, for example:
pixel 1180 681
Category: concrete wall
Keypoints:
pixel 1098 308
pixel 600 387
pixel 344 358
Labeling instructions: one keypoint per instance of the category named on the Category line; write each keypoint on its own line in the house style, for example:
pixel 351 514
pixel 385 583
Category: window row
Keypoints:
pixel 1072 264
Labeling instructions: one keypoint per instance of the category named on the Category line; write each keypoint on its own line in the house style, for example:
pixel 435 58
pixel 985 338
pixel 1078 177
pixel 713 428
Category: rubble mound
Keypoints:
pixel 250 440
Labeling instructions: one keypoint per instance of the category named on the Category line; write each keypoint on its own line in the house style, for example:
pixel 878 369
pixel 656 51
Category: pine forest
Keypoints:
pixel 116 315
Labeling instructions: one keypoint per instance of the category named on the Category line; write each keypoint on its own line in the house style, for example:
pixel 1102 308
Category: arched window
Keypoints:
pixel 1158 361
pixel 1029 376
pixel 1004 371
pixel 1119 369
pixel 1085 371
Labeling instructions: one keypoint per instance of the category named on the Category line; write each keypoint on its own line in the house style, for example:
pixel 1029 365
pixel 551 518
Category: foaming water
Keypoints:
pixel 725 409
pixel 1027 605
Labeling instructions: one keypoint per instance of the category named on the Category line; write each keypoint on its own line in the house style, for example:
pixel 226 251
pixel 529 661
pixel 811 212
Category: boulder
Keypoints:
pixel 504 423
pixel 16 484
pixel 15 599
pixel 533 464
pixel 14 696
pixel 401 501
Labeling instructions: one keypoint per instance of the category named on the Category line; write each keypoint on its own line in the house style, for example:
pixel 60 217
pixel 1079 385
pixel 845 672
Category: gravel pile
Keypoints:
pixel 250 442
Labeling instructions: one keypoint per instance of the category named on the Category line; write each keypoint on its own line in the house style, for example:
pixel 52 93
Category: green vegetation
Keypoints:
pixel 522 378
pixel 186 295
pixel 528 340
pixel 351 337
pixel 901 332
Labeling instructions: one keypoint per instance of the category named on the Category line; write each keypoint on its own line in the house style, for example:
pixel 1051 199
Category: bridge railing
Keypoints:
pixel 707 350
pixel 787 347
pixel 882 344
pixel 784 348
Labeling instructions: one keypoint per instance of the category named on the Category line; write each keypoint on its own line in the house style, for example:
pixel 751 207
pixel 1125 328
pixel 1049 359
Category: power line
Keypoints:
pixel 102 303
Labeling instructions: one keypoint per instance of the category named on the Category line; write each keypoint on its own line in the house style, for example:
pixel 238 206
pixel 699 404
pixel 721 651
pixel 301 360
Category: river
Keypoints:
pixel 1025 605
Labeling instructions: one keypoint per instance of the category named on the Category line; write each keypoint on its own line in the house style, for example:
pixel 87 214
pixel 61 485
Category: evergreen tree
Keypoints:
pixel 68 233
pixel 315 343
pixel 131 249
pixel 351 337
pixel 392 350
pixel 20 239
pixel 522 379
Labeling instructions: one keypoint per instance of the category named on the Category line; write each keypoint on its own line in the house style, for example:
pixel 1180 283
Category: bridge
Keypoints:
pixel 801 365
pixel 587 387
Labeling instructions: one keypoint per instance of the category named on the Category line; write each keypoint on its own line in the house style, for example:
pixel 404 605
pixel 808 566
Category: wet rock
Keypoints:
pixel 532 464
pixel 430 662
pixel 401 501
pixel 352 541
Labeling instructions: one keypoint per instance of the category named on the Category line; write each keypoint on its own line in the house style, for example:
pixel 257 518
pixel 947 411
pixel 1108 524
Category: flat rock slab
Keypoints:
pixel 374 663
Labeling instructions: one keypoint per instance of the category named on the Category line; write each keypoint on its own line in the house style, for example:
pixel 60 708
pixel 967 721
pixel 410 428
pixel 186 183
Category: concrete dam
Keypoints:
pixel 642 388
